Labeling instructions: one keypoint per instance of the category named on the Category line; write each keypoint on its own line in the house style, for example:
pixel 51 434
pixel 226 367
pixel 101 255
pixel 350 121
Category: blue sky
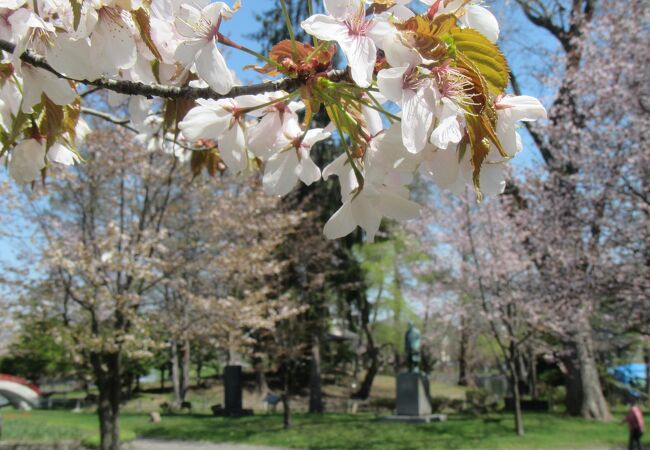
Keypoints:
pixel 243 23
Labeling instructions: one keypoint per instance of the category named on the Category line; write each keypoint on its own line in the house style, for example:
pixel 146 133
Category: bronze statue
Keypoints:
pixel 412 344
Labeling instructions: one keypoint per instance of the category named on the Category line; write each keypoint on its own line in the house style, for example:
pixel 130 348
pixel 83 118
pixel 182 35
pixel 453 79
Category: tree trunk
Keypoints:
pixel 106 368
pixel 286 402
pixel 516 398
pixel 514 388
pixel 176 382
pixel 463 372
pixel 594 406
pixel 199 369
pixel 534 387
pixel 185 370
pixel 128 384
pixel 315 386
pixel 162 377
pixel 260 377
pixel 646 359
pixel 366 385
pixel 372 353
pixel 573 386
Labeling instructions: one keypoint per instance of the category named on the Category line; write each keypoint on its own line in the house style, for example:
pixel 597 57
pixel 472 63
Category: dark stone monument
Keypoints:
pixel 232 383
pixel 413 404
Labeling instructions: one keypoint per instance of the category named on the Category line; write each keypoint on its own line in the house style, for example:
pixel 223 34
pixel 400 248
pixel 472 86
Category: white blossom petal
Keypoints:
pixel 482 20
pixel 27 160
pixel 212 68
pixel 341 223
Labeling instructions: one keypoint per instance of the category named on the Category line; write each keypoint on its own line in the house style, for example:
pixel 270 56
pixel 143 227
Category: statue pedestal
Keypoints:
pixel 412 398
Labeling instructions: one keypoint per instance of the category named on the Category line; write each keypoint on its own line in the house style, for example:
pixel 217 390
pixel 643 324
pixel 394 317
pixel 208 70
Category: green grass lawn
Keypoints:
pixel 329 431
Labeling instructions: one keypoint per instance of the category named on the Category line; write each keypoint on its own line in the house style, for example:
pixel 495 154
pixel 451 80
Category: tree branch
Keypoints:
pixel 170 92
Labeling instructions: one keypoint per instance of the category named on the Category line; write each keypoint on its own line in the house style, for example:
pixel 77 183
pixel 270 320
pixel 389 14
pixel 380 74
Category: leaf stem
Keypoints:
pixel 230 43
pixel 287 20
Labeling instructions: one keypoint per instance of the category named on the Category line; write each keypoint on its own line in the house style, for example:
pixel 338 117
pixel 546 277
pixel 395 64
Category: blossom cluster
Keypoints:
pixel 422 92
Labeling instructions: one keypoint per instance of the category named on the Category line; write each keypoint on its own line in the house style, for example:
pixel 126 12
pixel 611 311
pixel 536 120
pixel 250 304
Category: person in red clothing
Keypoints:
pixel 634 419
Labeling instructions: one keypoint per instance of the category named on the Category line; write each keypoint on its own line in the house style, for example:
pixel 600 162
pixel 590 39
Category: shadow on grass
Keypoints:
pixel 327 431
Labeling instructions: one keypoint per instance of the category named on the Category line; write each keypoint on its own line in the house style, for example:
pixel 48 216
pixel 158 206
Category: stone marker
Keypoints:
pixel 154 417
pixel 413 403
pixel 412 399
pixel 232 383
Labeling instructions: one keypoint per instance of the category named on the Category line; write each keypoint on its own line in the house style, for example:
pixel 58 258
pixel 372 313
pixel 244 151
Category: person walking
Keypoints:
pixel 635 423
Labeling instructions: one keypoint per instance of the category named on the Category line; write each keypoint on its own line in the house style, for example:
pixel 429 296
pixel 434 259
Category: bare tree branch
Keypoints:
pixel 171 92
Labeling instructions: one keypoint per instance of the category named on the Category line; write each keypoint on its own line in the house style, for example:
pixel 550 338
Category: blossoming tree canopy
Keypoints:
pixel 423 90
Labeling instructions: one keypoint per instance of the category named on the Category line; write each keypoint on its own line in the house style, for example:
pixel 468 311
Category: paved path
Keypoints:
pixel 156 444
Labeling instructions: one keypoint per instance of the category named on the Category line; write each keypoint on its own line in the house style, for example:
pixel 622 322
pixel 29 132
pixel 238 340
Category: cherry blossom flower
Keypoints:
pixel 291 160
pixel 200 27
pixel 262 137
pixel 223 120
pixel 111 38
pixel 416 95
pixel 346 23
pixel 384 192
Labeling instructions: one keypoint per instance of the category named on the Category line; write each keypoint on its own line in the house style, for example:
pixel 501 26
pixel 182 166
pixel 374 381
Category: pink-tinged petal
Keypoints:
pixel 523 107
pixel 391 83
pixel 373 120
pixel 398 54
pixel 417 116
pixel 232 148
pixel 203 122
pixel 315 135
pixel 401 12
pixel 325 28
pixel 263 136
pixel 280 173
pixel 379 29
pixel 366 213
pixel 336 167
pixel 448 129
pixel 482 20
pixel 165 38
pixel 187 50
pixel 251 101
pixel 61 154
pixel 139 109
pixel 27 160
pixel 397 207
pixel 341 223
pixel 211 67
pixel 118 46
pixel 214 11
pixel 308 171
pixel 493 179
pixel 72 58
pixel 38 80
pixel 507 134
pixel 362 56
pixel 343 8
pixel 443 167
pixel 32 88
pixel 12 4
pixel 342 169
